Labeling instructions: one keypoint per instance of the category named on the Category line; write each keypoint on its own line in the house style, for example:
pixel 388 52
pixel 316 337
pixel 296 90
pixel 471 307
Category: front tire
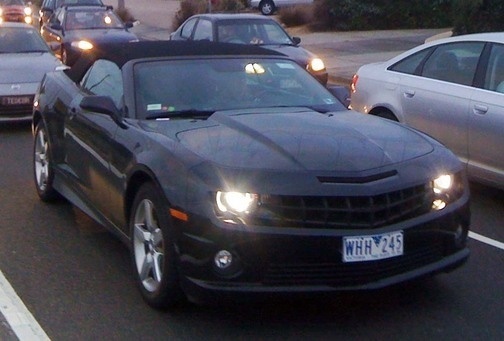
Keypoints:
pixel 42 165
pixel 153 250
pixel 267 7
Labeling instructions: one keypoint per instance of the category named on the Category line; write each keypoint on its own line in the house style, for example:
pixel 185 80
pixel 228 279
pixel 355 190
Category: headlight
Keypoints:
pixel 82 44
pixel 236 202
pixel 27 11
pixel 442 184
pixel 316 64
pixel 446 189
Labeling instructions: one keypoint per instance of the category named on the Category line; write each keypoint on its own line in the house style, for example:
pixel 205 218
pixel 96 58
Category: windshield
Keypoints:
pixel 18 40
pixel 252 31
pixel 207 85
pixel 78 20
pixel 12 2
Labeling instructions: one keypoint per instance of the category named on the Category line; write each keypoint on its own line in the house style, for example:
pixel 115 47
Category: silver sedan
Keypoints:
pixel 24 59
pixel 452 89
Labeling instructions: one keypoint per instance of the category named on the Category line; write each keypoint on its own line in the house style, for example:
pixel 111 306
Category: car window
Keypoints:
pixel 274 34
pixel 21 40
pixel 494 79
pixel 223 84
pixel 104 78
pixel 188 28
pixel 411 63
pixel 11 2
pixel 203 30
pixel 91 19
pixel 455 62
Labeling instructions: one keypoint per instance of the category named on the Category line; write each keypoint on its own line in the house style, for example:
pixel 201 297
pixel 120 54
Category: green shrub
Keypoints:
pixel 295 15
pixel 471 16
pixel 381 14
pixel 187 9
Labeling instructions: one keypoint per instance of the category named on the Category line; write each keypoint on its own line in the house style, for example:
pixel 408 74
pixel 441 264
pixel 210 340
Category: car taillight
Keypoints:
pixel 353 86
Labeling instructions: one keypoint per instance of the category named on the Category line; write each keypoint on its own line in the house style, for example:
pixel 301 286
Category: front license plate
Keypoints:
pixel 18 100
pixel 372 247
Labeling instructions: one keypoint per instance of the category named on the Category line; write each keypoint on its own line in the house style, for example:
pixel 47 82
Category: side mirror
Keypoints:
pixel 103 105
pixel 341 93
pixel 296 40
pixel 54 46
pixel 56 26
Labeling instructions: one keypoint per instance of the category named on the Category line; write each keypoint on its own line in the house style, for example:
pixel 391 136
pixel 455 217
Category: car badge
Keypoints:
pixel 15 87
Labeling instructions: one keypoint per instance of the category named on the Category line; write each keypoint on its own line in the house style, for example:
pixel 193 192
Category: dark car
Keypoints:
pixel 250 29
pixel 49 6
pixel 16 11
pixel 230 171
pixel 75 29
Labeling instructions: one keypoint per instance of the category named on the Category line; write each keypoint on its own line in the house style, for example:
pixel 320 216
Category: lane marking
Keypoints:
pixel 17 315
pixel 486 240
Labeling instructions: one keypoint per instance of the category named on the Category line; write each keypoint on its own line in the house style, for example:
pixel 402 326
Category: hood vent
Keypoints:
pixel 356 180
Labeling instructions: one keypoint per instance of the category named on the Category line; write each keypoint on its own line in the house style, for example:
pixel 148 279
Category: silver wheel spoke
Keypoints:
pixel 158 262
pixel 146 268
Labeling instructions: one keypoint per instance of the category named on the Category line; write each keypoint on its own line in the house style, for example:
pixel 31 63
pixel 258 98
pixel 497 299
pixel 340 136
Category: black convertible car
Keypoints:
pixel 228 170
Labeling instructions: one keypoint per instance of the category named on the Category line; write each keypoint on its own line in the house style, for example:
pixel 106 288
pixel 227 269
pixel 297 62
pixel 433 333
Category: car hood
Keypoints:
pixel 302 140
pixel 26 67
pixel 299 54
pixel 100 35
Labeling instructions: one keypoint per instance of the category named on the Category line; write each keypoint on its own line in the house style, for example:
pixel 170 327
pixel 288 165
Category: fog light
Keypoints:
pixel 223 259
pixel 438 204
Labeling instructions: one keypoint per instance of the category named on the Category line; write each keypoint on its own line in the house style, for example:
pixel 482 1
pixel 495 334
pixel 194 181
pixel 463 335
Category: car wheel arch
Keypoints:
pixel 136 179
pixel 385 112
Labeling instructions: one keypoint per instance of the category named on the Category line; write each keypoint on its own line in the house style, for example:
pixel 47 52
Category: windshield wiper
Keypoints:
pixel 31 51
pixel 189 113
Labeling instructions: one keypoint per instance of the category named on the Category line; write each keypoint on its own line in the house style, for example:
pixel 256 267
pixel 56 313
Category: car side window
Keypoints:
pixel 203 30
pixel 411 63
pixel 104 78
pixel 455 62
pixel 188 28
pixel 494 79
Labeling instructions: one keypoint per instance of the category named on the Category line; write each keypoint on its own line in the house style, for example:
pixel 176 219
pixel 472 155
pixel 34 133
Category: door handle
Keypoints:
pixel 480 109
pixel 409 93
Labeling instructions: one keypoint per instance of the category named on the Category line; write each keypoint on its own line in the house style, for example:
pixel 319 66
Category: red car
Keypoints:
pixel 15 10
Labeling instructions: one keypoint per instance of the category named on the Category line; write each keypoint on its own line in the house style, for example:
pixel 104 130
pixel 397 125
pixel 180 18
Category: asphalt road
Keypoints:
pixel 75 279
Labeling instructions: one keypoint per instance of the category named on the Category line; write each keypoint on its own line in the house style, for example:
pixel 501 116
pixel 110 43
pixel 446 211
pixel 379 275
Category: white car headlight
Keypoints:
pixel 27 11
pixel 82 44
pixel 442 183
pixel 236 202
pixel 316 64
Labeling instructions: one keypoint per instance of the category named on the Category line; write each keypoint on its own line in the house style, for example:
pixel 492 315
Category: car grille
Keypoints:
pixel 16 111
pixel 347 212
pixel 353 274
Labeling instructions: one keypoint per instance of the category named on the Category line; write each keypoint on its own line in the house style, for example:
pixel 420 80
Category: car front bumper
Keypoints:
pixel 310 261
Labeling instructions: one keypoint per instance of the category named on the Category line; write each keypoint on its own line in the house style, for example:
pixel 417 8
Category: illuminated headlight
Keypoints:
pixel 27 11
pixel 316 64
pixel 442 184
pixel 82 44
pixel 28 20
pixel 446 188
pixel 236 202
